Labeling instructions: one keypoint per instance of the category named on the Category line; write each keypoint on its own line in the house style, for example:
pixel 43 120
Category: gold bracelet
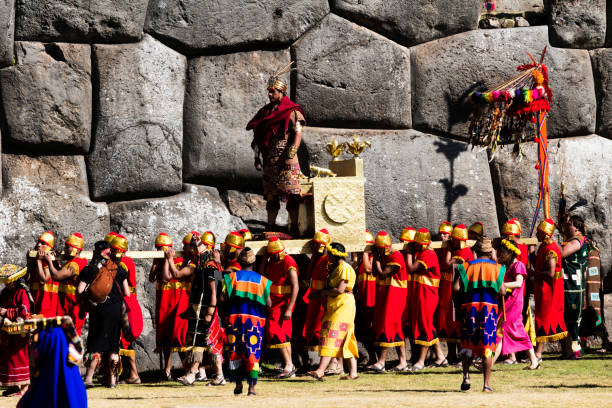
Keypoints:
pixel 292 151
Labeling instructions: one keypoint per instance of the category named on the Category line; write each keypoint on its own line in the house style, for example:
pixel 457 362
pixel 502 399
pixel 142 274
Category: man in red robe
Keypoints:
pixel 230 249
pixel 171 301
pixel 44 289
pixel 282 270
pixel 444 254
pixel 14 358
pixel 119 246
pixel 426 275
pixel 548 289
pixel 449 326
pixel 391 288
pixel 277 131
pixel 317 272
pixel 365 297
pixel 67 277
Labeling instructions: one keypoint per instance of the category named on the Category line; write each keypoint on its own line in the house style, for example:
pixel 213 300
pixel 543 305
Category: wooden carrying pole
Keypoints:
pixel 293 247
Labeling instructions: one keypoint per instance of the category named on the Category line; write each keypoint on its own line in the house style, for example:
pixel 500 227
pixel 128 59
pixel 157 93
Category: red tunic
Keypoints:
pixel 14 359
pixel 278 331
pixel 128 264
pixel 549 296
pixel 390 303
pixel 317 269
pixel 366 297
pixel 68 304
pixel 426 283
pixel 524 256
pixel 449 328
pixel 234 265
pixel 171 301
pixel 45 295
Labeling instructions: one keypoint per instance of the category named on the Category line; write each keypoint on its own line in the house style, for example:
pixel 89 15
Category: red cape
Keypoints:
pixel 266 124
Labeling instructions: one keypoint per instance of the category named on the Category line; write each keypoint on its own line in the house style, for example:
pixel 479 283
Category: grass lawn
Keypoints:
pixel 587 382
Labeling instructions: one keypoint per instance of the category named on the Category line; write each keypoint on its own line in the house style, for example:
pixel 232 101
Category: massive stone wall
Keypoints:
pixel 109 108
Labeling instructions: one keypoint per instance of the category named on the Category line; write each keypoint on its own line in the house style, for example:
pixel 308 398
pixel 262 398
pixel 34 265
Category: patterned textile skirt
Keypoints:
pixel 279 178
pixel 338 328
pixel 479 329
pixel 245 329
pixel 202 338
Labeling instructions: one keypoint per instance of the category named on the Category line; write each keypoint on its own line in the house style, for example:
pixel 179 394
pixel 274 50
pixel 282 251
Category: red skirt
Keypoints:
pixel 312 327
pixel 68 306
pixel 423 329
pixel 549 306
pixel 388 330
pixel 46 299
pixel 14 360
pixel 278 331
pixel 172 301
pixel 448 327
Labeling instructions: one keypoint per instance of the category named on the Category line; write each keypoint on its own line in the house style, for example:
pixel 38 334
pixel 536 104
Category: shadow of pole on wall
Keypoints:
pixel 451 150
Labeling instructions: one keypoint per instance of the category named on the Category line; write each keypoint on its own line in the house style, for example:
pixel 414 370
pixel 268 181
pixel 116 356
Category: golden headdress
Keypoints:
pixel 276 82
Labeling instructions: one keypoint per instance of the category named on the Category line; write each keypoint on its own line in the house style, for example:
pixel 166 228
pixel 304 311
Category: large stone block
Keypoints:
pixel 47 97
pixel 46 193
pixel 350 76
pixel 602 68
pixel 194 26
pixel 415 179
pixel 251 208
pixel 445 71
pixel 7 31
pixel 577 23
pixel 197 207
pixel 412 22
pixel 139 132
pixel 582 164
pixel 100 21
pixel 515 6
pixel 223 93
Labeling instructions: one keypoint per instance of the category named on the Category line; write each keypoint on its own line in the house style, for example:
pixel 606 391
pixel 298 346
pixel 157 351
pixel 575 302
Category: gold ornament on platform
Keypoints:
pixel 335 149
pixel 321 171
pixel 356 147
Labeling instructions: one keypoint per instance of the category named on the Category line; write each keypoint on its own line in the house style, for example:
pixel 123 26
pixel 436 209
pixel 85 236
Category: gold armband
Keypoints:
pixel 298 126
pixel 292 151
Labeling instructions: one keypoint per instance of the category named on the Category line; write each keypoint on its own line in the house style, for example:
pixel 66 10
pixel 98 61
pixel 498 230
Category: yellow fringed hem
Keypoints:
pixel 454 341
pixel 427 343
pixel 159 350
pixel 387 345
pixel 127 353
pixel 551 339
pixel 278 346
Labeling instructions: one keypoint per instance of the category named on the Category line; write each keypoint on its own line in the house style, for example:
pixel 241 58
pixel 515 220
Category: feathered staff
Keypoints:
pixel 501 115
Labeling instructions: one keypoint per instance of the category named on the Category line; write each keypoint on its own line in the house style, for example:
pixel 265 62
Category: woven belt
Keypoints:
pixel 67 289
pixel 47 287
pixel 173 286
pixel 280 289
pixel 427 281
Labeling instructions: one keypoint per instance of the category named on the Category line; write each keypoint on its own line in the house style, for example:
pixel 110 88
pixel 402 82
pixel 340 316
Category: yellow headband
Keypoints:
pixel 335 252
pixel 511 247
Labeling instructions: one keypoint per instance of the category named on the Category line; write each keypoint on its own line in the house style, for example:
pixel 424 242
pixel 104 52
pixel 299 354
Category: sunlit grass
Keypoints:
pixel 587 382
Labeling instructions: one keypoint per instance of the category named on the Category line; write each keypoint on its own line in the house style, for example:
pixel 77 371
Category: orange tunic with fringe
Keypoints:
pixel 390 303
pixel 426 284
pixel 171 302
pixel 278 331
pixel 549 296
pixel 67 300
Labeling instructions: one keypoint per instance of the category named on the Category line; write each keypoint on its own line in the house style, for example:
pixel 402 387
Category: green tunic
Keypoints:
pixel 574 267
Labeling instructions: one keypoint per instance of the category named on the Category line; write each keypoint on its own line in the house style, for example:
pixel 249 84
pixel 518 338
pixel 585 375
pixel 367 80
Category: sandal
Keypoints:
pixel 487 389
pixel 348 377
pixel 135 381
pixel 200 378
pixel 286 374
pixel 376 369
pixel 442 364
pixel 88 385
pixel 251 393
pixel 314 375
pixel 400 369
pixel 183 380
pixel 465 385
pixel 510 362
pixel 219 380
pixel 415 368
pixel 529 367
